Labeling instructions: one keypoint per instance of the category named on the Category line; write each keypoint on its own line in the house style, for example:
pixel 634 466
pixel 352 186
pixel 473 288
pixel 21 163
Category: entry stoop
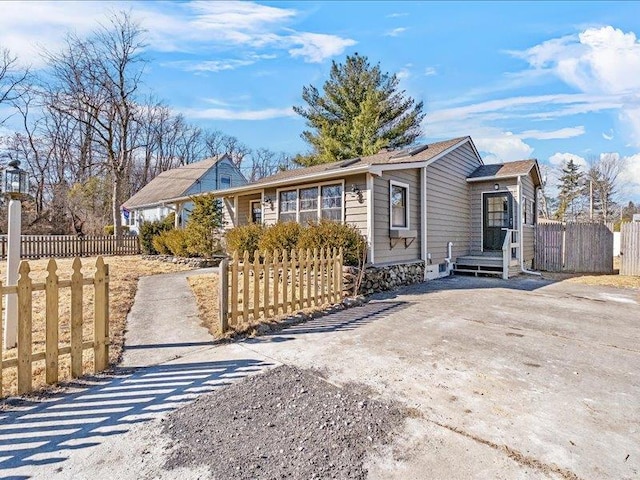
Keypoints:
pixel 479 264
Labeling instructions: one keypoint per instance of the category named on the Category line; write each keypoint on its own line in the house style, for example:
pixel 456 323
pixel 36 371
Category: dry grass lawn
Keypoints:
pixel 615 280
pixel 205 290
pixel 124 273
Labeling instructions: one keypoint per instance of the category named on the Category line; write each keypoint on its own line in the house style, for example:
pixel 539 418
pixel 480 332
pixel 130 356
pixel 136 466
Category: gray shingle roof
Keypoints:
pixel 502 170
pixel 420 154
pixel 170 184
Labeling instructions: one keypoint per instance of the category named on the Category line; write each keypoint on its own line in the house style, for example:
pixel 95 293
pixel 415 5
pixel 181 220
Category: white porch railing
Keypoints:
pixel 511 243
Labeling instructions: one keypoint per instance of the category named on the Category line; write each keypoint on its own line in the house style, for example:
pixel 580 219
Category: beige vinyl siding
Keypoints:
pixel 228 215
pixel 244 207
pixel 383 252
pixel 476 190
pixel 355 212
pixel 528 234
pixel 269 212
pixel 448 204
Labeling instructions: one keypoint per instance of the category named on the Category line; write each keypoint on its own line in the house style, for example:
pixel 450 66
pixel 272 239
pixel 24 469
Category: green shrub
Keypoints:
pixel 176 242
pixel 203 239
pixel 159 243
pixel 148 230
pixel 245 237
pixel 109 229
pixel 328 234
pixel 281 236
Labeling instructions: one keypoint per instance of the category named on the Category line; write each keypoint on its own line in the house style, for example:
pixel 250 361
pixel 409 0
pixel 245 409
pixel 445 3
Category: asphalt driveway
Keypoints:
pixel 517 379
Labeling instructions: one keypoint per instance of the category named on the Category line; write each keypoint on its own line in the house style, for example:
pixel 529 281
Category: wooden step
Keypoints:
pixel 476 272
pixel 479 261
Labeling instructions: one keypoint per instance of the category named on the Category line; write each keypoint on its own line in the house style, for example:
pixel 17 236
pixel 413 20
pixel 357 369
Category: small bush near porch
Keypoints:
pixel 292 236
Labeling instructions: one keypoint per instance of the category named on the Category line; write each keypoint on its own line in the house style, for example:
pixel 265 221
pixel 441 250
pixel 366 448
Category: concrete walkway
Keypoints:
pixel 163 323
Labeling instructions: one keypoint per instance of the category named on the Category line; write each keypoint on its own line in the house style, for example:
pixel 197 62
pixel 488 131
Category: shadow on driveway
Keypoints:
pixel 42 432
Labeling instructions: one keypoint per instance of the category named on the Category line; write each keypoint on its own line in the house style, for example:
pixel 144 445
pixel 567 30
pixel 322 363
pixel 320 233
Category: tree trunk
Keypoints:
pixel 115 205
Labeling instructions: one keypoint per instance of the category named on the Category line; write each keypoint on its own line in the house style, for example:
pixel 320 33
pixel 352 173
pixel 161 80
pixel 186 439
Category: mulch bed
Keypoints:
pixel 286 423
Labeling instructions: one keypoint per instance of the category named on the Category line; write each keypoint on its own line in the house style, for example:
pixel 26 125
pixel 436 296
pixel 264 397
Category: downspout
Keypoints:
pixel 521 231
pixel 449 256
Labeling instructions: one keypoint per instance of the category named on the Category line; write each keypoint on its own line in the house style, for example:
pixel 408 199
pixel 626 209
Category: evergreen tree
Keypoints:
pixel 570 190
pixel 359 112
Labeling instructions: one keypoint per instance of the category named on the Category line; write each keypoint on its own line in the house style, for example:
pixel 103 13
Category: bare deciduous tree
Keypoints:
pixel 96 83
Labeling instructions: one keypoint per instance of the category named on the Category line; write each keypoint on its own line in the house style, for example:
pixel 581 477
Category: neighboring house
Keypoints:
pixel 171 191
pixel 435 204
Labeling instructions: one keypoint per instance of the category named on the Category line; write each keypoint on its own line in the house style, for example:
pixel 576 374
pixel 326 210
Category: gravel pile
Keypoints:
pixel 286 423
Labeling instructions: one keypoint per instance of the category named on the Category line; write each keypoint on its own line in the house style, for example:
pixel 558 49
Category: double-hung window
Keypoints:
pixel 311 204
pixel 399 199
pixel 287 205
pixel 308 205
pixel 332 202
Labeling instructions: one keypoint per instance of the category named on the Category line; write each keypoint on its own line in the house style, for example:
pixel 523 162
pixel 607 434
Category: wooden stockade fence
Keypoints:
pixel 278 283
pixel 630 248
pixel 574 247
pixel 61 246
pixel 25 357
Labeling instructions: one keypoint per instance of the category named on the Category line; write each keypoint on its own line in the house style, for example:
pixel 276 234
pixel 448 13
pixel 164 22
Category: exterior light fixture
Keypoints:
pixel 496 186
pixel 15 179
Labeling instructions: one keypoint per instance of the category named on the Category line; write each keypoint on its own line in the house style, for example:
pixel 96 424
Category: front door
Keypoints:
pixel 497 214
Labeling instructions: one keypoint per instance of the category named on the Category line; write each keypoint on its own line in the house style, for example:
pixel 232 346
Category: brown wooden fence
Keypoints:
pixel 60 246
pixel 278 283
pixel 61 337
pixel 574 247
pixel 630 249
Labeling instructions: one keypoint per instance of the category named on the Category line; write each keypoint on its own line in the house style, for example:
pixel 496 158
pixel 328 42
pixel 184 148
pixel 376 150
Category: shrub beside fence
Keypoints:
pixel 61 246
pixel 23 356
pixel 278 282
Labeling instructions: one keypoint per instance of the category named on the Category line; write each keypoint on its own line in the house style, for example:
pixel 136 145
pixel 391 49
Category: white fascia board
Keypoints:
pixel 492 178
pixel 327 174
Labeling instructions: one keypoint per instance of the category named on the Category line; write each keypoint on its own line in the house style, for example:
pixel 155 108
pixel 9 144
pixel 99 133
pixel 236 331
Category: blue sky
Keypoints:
pixel 548 80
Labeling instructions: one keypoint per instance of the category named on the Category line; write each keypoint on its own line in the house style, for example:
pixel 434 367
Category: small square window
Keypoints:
pixel 399 206
pixel 225 182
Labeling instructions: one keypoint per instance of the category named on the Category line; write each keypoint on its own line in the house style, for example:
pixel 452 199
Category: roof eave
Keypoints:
pixel 494 177
pixel 327 174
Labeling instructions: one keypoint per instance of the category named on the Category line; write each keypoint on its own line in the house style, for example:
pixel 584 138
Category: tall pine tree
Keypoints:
pixel 570 189
pixel 360 111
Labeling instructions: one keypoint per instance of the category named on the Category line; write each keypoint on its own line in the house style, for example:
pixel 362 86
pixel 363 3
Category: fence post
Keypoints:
pixel 76 319
pixel 234 288
pixel 101 317
pixel 294 277
pixel 51 320
pixel 256 285
pixel 24 329
pixel 267 273
pixel 285 282
pixel 276 282
pixel 245 286
pixel 224 296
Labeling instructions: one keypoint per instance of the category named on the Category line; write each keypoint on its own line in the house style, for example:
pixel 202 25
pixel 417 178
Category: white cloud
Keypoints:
pixel 430 71
pixel 630 176
pixel 559 159
pixel 231 114
pixel 502 147
pixel 568 132
pixel 316 47
pixel 601 61
pixel 397 15
pixel 608 135
pixel 395 32
pixel 211 65
pixel 195 26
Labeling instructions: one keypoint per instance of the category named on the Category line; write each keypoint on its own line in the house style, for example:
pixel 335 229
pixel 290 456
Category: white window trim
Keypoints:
pixel 305 186
pixel 395 183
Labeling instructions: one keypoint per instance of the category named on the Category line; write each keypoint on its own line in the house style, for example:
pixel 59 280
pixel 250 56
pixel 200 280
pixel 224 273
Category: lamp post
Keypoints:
pixel 15 185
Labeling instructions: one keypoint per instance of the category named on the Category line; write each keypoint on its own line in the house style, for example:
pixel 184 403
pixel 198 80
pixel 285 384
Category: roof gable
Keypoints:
pixel 171 183
pixel 506 170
